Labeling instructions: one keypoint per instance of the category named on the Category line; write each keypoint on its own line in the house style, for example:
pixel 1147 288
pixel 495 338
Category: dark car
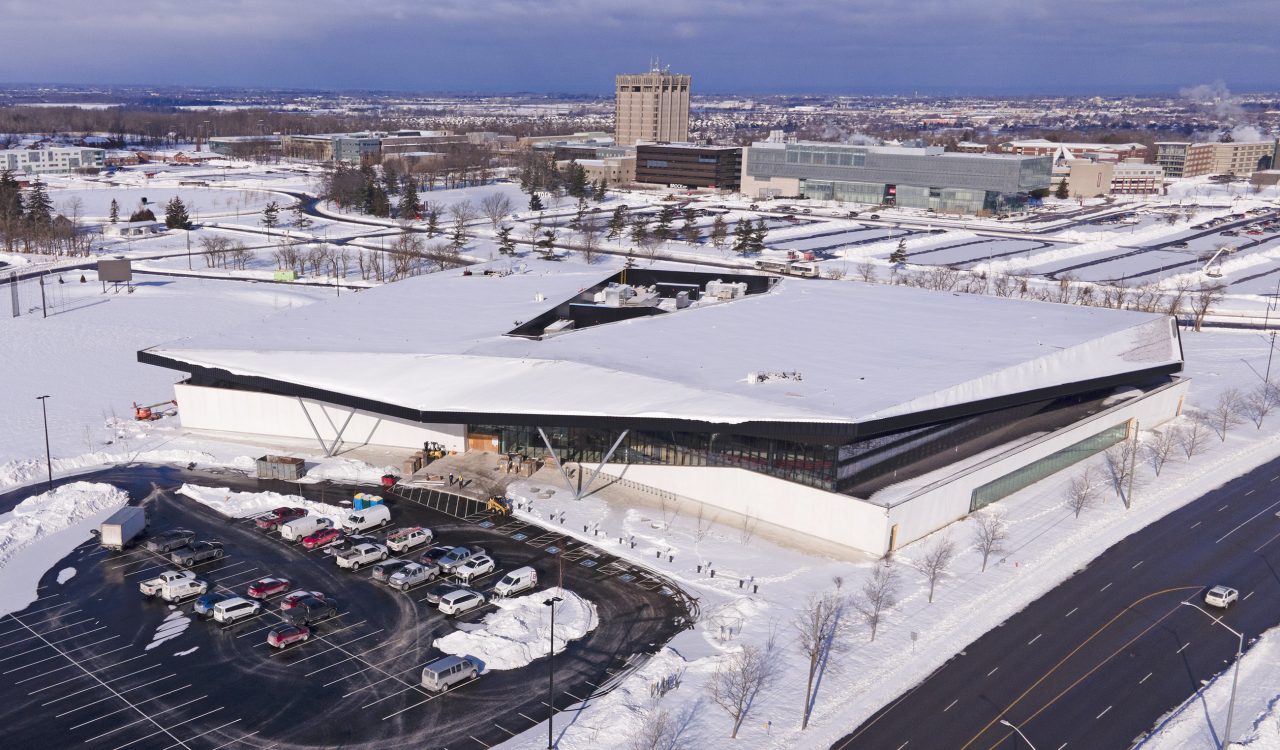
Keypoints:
pixel 282 635
pixel 348 541
pixel 170 540
pixel 433 555
pixel 310 610
pixel 197 552
pixel 444 589
pixel 204 605
pixel 385 569
pixel 275 518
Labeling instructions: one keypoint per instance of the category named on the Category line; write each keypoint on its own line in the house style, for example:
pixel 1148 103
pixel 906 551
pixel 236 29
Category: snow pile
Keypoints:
pixel 23 471
pixel 171 627
pixel 66 574
pixel 518 632
pixel 245 504
pixel 30 542
pixel 347 471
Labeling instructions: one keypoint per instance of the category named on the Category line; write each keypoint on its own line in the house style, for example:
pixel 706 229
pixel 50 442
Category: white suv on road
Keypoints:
pixel 1221 596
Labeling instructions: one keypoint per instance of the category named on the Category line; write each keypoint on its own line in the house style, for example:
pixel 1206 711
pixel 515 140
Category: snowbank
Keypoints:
pixel 22 471
pixel 246 504
pixel 518 632
pixel 45 528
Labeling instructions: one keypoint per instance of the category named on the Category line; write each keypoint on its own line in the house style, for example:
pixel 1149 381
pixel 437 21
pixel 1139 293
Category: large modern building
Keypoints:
pixel 61 160
pixel 689 165
pixel 651 106
pixel 894 175
pixel 1186 159
pixel 352 148
pixel 1107 151
pixel 747 393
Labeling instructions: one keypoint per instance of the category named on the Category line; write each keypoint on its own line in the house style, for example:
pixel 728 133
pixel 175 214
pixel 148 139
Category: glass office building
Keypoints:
pixel 926 178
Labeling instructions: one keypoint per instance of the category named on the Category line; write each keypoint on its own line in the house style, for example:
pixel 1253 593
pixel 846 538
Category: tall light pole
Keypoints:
pixel 1014 727
pixel 1270 352
pixel 48 457
pixel 1235 677
pixel 551 674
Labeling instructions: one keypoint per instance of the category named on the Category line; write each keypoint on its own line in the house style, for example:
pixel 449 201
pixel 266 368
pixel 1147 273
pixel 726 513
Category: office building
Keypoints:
pixel 1186 159
pixel 651 106
pixel 893 175
pixel 1042 147
pixel 689 165
pixel 1092 178
pixel 58 160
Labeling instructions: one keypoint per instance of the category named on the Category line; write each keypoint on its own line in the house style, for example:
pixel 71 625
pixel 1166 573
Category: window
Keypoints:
pixel 1054 462
pixel 656 163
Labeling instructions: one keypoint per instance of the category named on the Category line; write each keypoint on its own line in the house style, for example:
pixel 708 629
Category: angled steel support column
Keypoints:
pixel 603 461
pixel 328 449
pixel 560 464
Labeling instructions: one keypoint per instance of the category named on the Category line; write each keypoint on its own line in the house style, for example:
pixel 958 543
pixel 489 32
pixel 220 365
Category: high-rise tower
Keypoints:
pixel 651 106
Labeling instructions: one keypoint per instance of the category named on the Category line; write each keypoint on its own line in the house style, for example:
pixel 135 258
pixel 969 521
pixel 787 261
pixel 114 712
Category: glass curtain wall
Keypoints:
pixel 1054 462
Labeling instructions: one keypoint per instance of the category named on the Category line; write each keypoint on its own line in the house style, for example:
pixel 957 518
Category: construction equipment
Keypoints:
pixel 154 411
pixel 498 504
pixel 433 450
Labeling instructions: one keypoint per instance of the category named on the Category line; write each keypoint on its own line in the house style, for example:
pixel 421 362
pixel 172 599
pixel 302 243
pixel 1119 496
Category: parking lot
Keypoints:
pixel 93 663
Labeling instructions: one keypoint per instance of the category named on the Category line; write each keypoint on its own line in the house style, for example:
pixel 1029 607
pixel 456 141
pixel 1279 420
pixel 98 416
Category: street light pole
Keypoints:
pixel 1272 351
pixel 48 457
pixel 1235 677
pixel 551 674
pixel 1014 727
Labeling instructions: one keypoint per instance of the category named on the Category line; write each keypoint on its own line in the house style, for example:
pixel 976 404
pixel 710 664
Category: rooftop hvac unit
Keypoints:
pixel 726 290
pixel 616 295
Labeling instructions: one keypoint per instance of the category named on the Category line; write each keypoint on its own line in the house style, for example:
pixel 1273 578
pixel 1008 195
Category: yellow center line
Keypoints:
pixel 1074 651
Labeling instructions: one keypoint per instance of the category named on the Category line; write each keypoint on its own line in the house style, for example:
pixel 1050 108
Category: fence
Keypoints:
pixel 52 293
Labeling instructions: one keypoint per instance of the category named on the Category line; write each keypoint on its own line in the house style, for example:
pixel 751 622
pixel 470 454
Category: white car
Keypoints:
pixel 462 600
pixel 1221 596
pixel 475 567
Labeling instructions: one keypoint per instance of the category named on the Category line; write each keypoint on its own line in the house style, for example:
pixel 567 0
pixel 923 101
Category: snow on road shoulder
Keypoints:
pixel 45 528
pixel 245 504
pixel 518 632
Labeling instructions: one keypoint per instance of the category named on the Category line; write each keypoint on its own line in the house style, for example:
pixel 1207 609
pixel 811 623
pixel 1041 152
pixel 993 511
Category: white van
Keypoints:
pixel 298 528
pixel 518 580
pixel 443 674
pixel 363 520
pixel 233 610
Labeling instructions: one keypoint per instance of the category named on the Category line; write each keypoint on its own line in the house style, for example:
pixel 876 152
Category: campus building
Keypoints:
pixel 58 160
pixel 1108 151
pixel 352 148
pixel 704 386
pixel 893 175
pixel 689 165
pixel 651 106
pixel 1087 178
pixel 1186 159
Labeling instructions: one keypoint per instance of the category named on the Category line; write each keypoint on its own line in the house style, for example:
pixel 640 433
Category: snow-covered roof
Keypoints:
pixel 864 352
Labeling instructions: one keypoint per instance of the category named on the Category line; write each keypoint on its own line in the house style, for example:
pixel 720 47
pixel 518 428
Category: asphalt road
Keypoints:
pixel 76 670
pixel 1095 663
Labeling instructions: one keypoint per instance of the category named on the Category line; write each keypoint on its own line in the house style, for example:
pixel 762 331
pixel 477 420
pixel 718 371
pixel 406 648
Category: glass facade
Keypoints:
pixel 1051 464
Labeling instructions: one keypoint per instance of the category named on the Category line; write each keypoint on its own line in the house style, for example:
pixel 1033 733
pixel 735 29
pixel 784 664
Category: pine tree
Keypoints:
pixel 547 242
pixel 640 232
pixel 114 213
pixel 458 237
pixel 409 207
pixel 381 202
pixel 391 178
pixel 602 191
pixel 1062 191
pixel 576 180
pixel 617 223
pixel 11 208
pixel 535 202
pixel 689 230
pixel 662 231
pixel 719 231
pixel 175 214
pixel 300 218
pixel 899 255
pixel 271 216
pixel 39 211
pixel 506 245
pixel 576 223
pixel 433 220
pixel 742 233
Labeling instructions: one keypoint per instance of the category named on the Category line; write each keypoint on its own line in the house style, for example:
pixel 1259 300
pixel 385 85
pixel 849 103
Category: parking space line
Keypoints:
pixel 412 669
pixel 576 698
pixel 349 658
pixel 60 653
pixel 50 630
pixel 208 731
pixel 392 695
pixel 428 699
pixel 533 721
pixel 366 669
pixel 241 738
pixel 118 710
pixel 335 647
pixel 170 727
pixel 122 692
pixel 91 687
pixel 145 717
pixel 34 611
pixel 69 666
pixel 508 731
pixel 486 746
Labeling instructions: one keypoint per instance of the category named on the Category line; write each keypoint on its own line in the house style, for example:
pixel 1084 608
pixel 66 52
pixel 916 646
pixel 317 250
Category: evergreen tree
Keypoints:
pixel 381 206
pixel 617 223
pixel 899 255
pixel 689 230
pixel 300 218
pixel 576 223
pixel 458 237
pixel 506 245
pixel 391 178
pixel 1062 191
pixel 576 180
pixel 271 216
pixel 39 209
pixel 433 220
pixel 640 231
pixel 719 231
pixel 114 213
pixel 11 208
pixel 175 214
pixel 142 214
pixel 662 231
pixel 602 190
pixel 409 207
pixel 742 234
pixel 535 202
pixel 547 242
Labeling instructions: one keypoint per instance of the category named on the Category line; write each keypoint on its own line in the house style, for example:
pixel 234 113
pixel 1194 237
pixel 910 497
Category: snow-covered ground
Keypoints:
pixel 516 633
pixel 247 504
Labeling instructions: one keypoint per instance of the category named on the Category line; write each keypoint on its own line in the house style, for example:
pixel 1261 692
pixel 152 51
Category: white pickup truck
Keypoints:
pixel 156 585
pixel 183 588
pixel 361 554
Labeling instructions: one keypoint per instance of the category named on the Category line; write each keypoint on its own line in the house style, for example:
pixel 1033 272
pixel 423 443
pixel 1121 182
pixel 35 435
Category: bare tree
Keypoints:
pixel 1121 463
pixel 866 271
pixel 936 561
pixel 1226 412
pixel 213 249
pixel 590 239
pixel 989 534
pixel 463 212
pixel 1204 298
pixel 661 730
pixel 740 677
pixel 495 207
pixel 1082 491
pixel 879 595
pixel 817 628
pixel 1160 448
pixel 748 530
pixel 834 272
pixel 1191 436
pixel 1260 402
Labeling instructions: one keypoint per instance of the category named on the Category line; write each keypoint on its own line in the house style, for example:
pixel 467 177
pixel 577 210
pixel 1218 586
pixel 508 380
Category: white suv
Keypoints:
pixel 1221 596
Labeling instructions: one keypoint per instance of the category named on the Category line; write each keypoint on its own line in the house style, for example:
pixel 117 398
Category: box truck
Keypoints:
pixel 122 528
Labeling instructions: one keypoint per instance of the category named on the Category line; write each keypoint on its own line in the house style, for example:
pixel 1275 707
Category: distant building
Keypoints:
pixel 614 170
pixel 408 141
pixel 586 136
pixel 1093 178
pixel 51 160
pixel 352 148
pixel 894 175
pixel 120 159
pixel 245 146
pixel 651 106
pixel 689 165
pixel 1186 159
pixel 1042 147
pixel 133 228
pixel 1266 177
pixel 972 147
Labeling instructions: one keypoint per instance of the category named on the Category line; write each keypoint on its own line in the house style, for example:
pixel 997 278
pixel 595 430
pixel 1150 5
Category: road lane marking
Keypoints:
pixel 1033 640
pixel 1251 518
pixel 949 705
pixel 1184 647
pixel 1072 612
pixel 1144 679
pixel 992 671
pixel 1269 541
pixel 1104 713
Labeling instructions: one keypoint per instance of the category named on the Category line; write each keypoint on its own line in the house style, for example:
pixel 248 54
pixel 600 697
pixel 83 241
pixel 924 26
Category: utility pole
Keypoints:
pixel 48 457
pixel 1269 353
pixel 551 674
pixel 1133 467
pixel 44 309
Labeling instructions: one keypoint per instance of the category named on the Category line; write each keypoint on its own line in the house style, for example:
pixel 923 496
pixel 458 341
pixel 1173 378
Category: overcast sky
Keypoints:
pixel 575 46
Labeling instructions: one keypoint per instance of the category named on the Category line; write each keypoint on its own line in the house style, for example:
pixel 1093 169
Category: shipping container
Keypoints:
pixel 281 467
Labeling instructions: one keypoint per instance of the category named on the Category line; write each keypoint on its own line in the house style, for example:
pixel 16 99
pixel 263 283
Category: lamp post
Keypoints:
pixel 48 458
pixel 1235 677
pixel 1270 352
pixel 551 673
pixel 1014 727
